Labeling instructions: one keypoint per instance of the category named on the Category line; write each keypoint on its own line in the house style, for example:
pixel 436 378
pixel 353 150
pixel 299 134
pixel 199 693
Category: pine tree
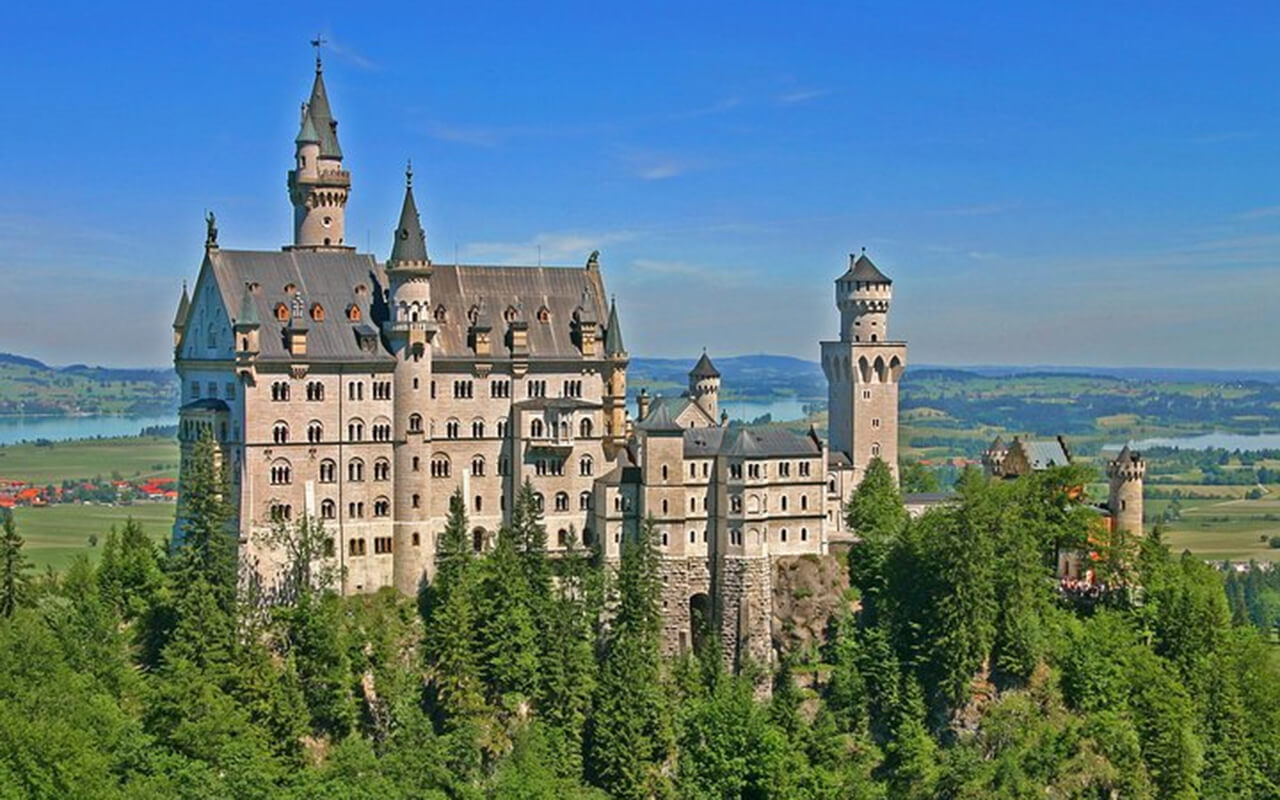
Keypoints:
pixel 15 584
pixel 629 734
pixel 876 514
pixel 451 626
pixel 846 688
pixel 508 633
pixel 207 546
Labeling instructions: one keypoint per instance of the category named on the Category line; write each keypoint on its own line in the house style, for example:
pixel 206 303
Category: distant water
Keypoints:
pixel 780 410
pixel 1205 441
pixel 56 429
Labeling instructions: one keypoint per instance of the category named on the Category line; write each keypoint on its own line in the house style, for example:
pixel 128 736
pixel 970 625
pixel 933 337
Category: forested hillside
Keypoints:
pixel 960 671
pixel 28 386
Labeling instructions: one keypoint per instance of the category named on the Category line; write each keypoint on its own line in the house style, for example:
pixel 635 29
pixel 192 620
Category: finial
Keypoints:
pixel 408 174
pixel 211 230
pixel 316 43
pixel 864 249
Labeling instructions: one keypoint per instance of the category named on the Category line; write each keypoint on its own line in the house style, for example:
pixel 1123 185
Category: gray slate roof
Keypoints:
pixel 613 345
pixel 703 442
pixel 767 442
pixel 410 240
pixel 331 278
pixel 184 308
pixel 322 117
pixel 659 420
pixel 1043 454
pixel 704 368
pixel 861 269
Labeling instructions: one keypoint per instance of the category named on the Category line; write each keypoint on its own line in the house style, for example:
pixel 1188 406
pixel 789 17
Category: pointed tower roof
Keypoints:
pixel 410 242
pixel 308 133
pixel 704 368
pixel 613 345
pixel 184 308
pixel 322 117
pixel 1124 455
pixel 248 309
pixel 861 269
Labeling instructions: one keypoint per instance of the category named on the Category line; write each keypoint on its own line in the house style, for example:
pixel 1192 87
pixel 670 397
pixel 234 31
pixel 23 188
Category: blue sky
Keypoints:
pixel 1065 183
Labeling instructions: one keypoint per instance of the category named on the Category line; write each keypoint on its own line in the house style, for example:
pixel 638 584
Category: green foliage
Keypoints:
pixel 14 581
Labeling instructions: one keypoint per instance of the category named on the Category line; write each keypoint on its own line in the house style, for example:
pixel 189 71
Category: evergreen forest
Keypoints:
pixel 957 669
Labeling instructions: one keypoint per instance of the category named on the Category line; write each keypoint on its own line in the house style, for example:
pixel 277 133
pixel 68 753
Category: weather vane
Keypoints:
pixel 317 43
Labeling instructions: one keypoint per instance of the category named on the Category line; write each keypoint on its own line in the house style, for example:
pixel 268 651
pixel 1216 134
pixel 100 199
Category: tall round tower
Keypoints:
pixel 409 329
pixel 1126 474
pixel 863 295
pixel 318 185
pixel 704 386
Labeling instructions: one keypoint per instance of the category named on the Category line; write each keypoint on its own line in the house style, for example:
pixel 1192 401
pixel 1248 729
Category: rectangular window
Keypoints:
pixel 195 388
pixel 382 545
pixel 355 547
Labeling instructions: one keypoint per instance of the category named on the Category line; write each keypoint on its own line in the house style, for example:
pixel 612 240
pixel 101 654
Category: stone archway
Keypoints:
pixel 700 629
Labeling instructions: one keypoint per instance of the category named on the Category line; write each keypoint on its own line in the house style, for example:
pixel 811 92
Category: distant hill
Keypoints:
pixel 31 387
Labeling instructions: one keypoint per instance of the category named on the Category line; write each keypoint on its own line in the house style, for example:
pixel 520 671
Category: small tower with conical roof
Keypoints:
pixel 180 318
pixel 409 330
pixel 1126 473
pixel 704 386
pixel 863 369
pixel 615 398
pixel 318 185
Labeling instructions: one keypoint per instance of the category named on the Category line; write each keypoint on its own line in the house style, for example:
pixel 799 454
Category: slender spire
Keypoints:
pixel 308 134
pixel 248 309
pixel 184 308
pixel 322 117
pixel 411 241
pixel 613 345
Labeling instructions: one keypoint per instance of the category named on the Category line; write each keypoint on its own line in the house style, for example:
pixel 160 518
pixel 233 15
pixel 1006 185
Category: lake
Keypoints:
pixel 1205 441
pixel 56 429
pixel 783 409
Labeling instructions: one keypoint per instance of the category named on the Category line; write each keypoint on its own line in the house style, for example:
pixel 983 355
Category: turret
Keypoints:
pixel 409 330
pixel 993 457
pixel 247 326
pixel 180 318
pixel 863 294
pixel 615 398
pixel 1126 473
pixel 318 186
pixel 704 386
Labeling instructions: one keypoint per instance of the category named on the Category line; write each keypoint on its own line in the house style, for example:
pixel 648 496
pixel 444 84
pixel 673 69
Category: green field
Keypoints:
pixel 130 457
pixel 55 535
pixel 1234 530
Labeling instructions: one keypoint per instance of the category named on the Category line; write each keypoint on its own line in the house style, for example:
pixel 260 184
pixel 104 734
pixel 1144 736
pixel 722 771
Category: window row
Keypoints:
pixel 229 391
pixel 314 390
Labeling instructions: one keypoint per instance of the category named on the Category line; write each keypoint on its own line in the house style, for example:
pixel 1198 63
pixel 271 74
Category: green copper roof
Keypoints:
pixel 322 117
pixel 248 309
pixel 308 133
pixel 184 308
pixel 410 242
pixel 613 345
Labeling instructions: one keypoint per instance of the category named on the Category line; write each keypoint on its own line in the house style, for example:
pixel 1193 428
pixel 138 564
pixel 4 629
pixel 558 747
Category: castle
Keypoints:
pixel 365 393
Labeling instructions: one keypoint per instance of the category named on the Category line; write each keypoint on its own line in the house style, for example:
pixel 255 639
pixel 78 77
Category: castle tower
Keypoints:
pixel 863 369
pixel 318 185
pixel 615 398
pixel 704 386
pixel 409 330
pixel 1126 474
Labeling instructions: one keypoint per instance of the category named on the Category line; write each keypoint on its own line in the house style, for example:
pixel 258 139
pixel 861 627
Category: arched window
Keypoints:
pixel 666 539
pixel 562 538
pixel 584 465
pixel 382 431
pixel 451 429
pixel 328 509
pixel 382 470
pixel 355 470
pixel 784 502
pixel 478 505
pixel 417 464
pixel 382 507
pixel 535 429
pixel 539 502
pixel 584 501
pixel 355 430
pixel 416 501
pixel 665 506
pixel 440 466
pixel 782 535
pixel 281 473
pixel 315 432
pixel 562 501
pixel 441 314
pixel 502 429
pixel 280 433
pixel 804 534
pixel 804 502
pixel 282 312
pixel 415 423
pixel 664 472
pixel 477 466
pixel 280 391
pixel 584 428
pixel 280 512
pixel 693 537
pixel 477 540
pixel 328 471
pixel 477 429
pixel 735 504
pixel 875 450
pixel 317 312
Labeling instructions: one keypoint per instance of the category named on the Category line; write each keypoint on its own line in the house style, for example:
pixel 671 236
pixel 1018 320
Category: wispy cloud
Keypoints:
pixel 1221 136
pixel 797 96
pixel 658 166
pixel 552 247
pixel 718 107
pixel 1260 213
pixel 350 55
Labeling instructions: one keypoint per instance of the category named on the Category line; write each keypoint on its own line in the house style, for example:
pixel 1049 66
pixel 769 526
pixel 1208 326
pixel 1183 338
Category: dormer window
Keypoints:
pixel 290 288
pixel 353 312
pixel 441 314
pixel 361 289
pixel 510 314
pixel 544 315
pixel 317 312
pixel 473 314
pixel 282 312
